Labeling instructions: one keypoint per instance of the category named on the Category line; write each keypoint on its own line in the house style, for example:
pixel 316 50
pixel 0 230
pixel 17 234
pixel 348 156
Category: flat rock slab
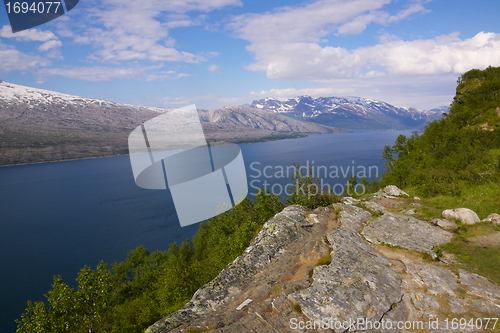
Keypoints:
pixel 480 286
pixel 406 232
pixel 375 207
pixel 349 200
pixel 424 302
pixel 390 203
pixel 436 279
pixel 484 306
pixel 457 305
pixel 358 283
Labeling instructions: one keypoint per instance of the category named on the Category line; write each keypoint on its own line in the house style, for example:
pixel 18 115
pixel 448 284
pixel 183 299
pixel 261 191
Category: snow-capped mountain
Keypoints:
pixel 441 109
pixel 259 119
pixel 38 125
pixel 13 93
pixel 347 112
pixel 26 105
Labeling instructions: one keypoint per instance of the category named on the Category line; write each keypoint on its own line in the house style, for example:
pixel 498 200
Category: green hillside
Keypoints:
pixel 458 151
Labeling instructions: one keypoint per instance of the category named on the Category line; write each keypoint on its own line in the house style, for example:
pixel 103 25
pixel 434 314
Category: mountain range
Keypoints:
pixel 38 125
pixel 353 113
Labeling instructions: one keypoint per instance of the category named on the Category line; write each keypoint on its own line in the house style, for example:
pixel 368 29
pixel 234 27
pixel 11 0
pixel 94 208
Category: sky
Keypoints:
pixel 173 53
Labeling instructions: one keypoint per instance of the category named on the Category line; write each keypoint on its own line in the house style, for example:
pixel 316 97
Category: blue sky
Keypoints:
pixel 220 52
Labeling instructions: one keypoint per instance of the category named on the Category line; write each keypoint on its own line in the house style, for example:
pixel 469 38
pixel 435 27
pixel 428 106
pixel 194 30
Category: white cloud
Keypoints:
pixel 27 35
pixel 175 6
pixel 287 43
pixel 311 22
pixel 305 61
pixel 214 69
pixel 311 61
pixel 444 54
pixel 128 29
pixel 359 23
pixel 414 8
pixel 102 74
pixel 49 45
pixel 13 59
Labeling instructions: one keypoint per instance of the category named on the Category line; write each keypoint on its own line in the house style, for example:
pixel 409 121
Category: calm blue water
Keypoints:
pixel 57 217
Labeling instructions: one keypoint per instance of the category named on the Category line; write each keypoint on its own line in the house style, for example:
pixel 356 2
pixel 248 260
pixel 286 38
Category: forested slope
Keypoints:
pixel 460 150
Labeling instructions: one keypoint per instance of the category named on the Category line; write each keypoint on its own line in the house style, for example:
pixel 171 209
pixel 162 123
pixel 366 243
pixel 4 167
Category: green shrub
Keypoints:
pixel 307 191
pixel 454 152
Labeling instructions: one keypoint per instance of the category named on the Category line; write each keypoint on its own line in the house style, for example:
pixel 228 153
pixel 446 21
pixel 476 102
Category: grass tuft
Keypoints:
pixel 297 308
pixel 324 260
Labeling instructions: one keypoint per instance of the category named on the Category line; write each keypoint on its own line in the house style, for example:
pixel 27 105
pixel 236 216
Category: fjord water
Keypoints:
pixel 57 217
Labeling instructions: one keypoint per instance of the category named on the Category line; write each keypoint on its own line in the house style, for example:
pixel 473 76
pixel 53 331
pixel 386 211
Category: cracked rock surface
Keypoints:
pixel 276 285
pixel 358 283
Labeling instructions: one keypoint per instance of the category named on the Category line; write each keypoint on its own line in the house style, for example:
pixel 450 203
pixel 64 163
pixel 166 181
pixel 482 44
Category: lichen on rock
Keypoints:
pixel 280 272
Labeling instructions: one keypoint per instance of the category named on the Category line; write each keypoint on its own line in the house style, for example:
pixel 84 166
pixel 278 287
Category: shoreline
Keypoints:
pixel 266 139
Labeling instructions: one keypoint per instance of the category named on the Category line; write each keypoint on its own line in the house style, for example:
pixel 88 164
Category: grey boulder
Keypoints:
pixel 444 224
pixel 464 215
pixel 493 218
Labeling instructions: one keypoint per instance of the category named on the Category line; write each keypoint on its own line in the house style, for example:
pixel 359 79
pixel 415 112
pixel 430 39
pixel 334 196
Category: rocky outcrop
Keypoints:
pixel 464 215
pixel 271 241
pixel 358 283
pixel 353 266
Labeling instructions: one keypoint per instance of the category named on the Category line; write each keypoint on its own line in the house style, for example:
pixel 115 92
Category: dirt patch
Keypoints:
pixel 488 240
pixel 300 270
pixel 395 253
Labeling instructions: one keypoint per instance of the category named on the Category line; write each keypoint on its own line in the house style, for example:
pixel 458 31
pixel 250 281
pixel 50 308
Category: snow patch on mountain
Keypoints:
pixel 16 94
pixel 312 107
pixel 348 111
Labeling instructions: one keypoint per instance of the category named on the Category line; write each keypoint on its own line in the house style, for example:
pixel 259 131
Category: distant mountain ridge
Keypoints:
pixel 260 119
pixel 354 113
pixel 38 125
